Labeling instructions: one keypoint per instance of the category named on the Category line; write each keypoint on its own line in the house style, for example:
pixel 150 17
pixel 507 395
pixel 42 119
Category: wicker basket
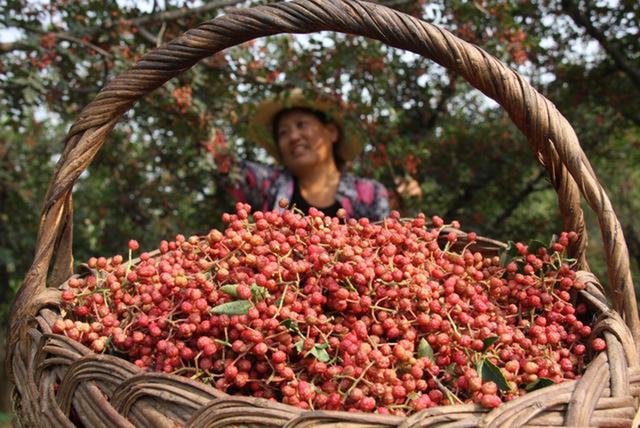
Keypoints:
pixel 58 380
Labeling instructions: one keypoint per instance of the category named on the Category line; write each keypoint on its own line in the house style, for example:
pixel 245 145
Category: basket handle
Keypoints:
pixel 551 137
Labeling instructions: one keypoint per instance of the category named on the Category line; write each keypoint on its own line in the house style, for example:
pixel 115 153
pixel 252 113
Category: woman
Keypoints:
pixel 307 135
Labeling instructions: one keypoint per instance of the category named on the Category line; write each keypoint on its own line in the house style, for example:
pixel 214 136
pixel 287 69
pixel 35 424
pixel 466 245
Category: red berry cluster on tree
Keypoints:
pixel 329 313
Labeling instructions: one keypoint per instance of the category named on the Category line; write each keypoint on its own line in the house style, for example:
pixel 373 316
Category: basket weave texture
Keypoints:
pixel 58 380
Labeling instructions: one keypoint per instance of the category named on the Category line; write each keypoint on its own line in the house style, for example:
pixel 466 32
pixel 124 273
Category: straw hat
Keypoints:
pixel 350 142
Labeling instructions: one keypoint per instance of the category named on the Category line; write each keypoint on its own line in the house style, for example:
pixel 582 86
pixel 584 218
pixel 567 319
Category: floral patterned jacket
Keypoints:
pixel 262 186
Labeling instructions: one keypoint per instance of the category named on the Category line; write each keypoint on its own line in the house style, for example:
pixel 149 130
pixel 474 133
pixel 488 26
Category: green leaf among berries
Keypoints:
pixel 535 245
pixel 508 253
pixel 259 293
pixel 239 307
pixel 540 383
pixel 230 289
pixel 319 351
pixel 424 349
pixel 291 325
pixel 488 342
pixel 490 372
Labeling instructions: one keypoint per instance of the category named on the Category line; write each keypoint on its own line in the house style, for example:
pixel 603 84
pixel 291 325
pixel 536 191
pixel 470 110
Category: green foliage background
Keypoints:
pixel 154 177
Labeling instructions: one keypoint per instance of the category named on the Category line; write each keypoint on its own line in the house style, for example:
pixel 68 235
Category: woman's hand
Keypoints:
pixel 217 146
pixel 408 187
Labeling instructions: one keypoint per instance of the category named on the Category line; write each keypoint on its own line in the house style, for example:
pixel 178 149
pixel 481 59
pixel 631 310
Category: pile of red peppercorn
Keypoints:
pixel 329 313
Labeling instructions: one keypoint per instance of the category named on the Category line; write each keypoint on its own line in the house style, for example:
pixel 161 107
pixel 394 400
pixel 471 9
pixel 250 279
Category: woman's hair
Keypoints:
pixel 324 119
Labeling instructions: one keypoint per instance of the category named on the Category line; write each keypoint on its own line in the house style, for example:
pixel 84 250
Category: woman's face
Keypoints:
pixel 304 141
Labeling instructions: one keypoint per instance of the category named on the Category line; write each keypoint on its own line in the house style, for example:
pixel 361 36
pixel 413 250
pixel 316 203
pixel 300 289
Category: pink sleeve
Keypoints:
pixel 365 191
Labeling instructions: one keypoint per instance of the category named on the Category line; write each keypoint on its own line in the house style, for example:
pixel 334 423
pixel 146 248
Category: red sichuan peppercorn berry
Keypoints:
pixel 598 344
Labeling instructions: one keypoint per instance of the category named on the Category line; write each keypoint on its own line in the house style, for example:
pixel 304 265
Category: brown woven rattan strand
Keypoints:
pixel 38 359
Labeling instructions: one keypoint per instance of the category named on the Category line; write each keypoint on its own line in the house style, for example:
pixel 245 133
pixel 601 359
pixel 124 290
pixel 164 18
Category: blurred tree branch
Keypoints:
pixel 615 52
pixel 164 16
pixel 517 200
pixel 175 14
pixel 633 242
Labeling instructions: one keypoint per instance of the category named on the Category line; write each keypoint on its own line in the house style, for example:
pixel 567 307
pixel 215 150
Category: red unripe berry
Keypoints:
pixel 58 327
pixel 244 291
pixel 162 345
pixel 475 384
pixel 489 388
pixel 205 363
pixel 530 367
pixel 133 245
pixel 423 402
pixel 230 372
pixel 579 349
pixel 367 404
pixel 399 392
pixel 598 344
pixel 203 341
pixel 490 401
pixel 512 366
pixel 356 394
pixel 566 364
pixel 260 349
pixel 187 354
pixel 238 346
pixel 210 349
pixel 241 379
pixel 278 357
pixel 436 395
pixel 68 295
